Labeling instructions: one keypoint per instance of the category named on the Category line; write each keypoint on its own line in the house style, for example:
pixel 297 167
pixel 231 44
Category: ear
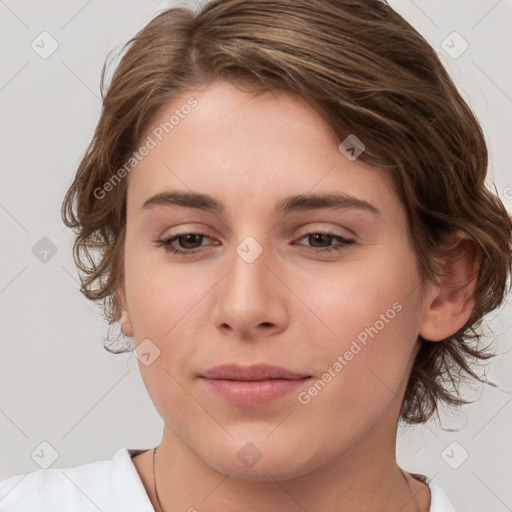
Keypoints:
pixel 126 324
pixel 449 302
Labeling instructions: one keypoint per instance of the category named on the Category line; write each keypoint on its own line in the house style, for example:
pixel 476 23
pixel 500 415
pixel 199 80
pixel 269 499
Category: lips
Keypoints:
pixel 251 373
pixel 251 386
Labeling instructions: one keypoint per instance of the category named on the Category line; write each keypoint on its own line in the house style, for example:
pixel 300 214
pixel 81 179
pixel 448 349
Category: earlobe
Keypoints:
pixel 126 324
pixel 449 303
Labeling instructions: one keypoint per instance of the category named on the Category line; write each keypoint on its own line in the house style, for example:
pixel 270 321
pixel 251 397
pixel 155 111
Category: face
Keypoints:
pixel 327 288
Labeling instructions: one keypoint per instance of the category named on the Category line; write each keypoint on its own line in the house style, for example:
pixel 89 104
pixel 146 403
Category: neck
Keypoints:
pixel 356 481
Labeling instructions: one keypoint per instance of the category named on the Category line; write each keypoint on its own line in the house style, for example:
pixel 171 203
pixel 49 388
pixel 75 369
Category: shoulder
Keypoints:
pixel 439 501
pixel 107 485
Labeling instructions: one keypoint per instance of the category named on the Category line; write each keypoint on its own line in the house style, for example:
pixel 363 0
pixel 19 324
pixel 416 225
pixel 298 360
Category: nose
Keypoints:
pixel 250 300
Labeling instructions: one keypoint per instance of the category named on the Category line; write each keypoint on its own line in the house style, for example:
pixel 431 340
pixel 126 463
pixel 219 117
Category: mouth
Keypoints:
pixel 252 385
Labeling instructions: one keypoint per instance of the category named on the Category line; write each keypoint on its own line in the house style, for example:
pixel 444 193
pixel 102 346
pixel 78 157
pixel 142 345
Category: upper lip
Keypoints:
pixel 252 372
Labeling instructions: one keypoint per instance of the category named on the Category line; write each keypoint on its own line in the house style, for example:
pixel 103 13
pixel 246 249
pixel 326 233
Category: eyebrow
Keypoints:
pixel 302 202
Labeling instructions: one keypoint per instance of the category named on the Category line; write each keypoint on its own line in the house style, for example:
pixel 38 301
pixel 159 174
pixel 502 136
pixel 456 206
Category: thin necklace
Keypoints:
pixel 154 481
pixel 162 508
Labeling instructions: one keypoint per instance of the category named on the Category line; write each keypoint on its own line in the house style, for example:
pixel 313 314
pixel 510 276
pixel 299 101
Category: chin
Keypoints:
pixel 263 471
pixel 263 460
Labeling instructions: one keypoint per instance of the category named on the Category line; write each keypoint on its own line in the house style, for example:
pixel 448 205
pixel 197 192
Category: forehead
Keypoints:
pixel 246 147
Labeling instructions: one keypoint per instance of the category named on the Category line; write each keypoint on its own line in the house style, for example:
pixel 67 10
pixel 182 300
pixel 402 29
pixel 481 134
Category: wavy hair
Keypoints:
pixel 367 71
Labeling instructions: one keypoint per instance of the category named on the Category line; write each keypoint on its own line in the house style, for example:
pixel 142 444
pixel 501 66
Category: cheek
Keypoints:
pixel 166 309
pixel 373 314
pixel 160 294
pixel 366 294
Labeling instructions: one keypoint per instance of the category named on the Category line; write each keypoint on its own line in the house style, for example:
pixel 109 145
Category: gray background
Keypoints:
pixel 57 383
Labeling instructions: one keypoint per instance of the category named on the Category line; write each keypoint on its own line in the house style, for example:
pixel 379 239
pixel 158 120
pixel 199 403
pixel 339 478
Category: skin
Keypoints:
pixel 294 306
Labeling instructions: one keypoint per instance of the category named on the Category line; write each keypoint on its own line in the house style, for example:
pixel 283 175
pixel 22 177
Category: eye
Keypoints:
pixel 324 238
pixel 188 241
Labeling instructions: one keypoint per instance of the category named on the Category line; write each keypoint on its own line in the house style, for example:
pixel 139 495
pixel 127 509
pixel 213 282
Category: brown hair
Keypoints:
pixel 367 72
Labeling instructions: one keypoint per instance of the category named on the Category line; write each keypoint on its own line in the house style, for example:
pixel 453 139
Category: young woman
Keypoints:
pixel 284 207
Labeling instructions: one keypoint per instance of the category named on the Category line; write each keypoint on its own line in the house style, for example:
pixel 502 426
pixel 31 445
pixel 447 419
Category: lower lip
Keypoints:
pixel 253 393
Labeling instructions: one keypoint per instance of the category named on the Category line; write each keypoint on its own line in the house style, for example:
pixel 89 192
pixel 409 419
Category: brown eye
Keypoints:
pixel 183 243
pixel 318 239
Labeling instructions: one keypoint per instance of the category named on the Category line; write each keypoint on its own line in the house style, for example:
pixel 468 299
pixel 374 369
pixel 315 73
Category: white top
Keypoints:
pixel 109 485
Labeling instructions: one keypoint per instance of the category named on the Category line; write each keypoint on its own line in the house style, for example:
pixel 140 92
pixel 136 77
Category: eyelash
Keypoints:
pixel 166 243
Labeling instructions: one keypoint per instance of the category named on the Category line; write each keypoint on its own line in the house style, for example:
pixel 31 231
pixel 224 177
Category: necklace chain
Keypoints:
pixel 154 481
